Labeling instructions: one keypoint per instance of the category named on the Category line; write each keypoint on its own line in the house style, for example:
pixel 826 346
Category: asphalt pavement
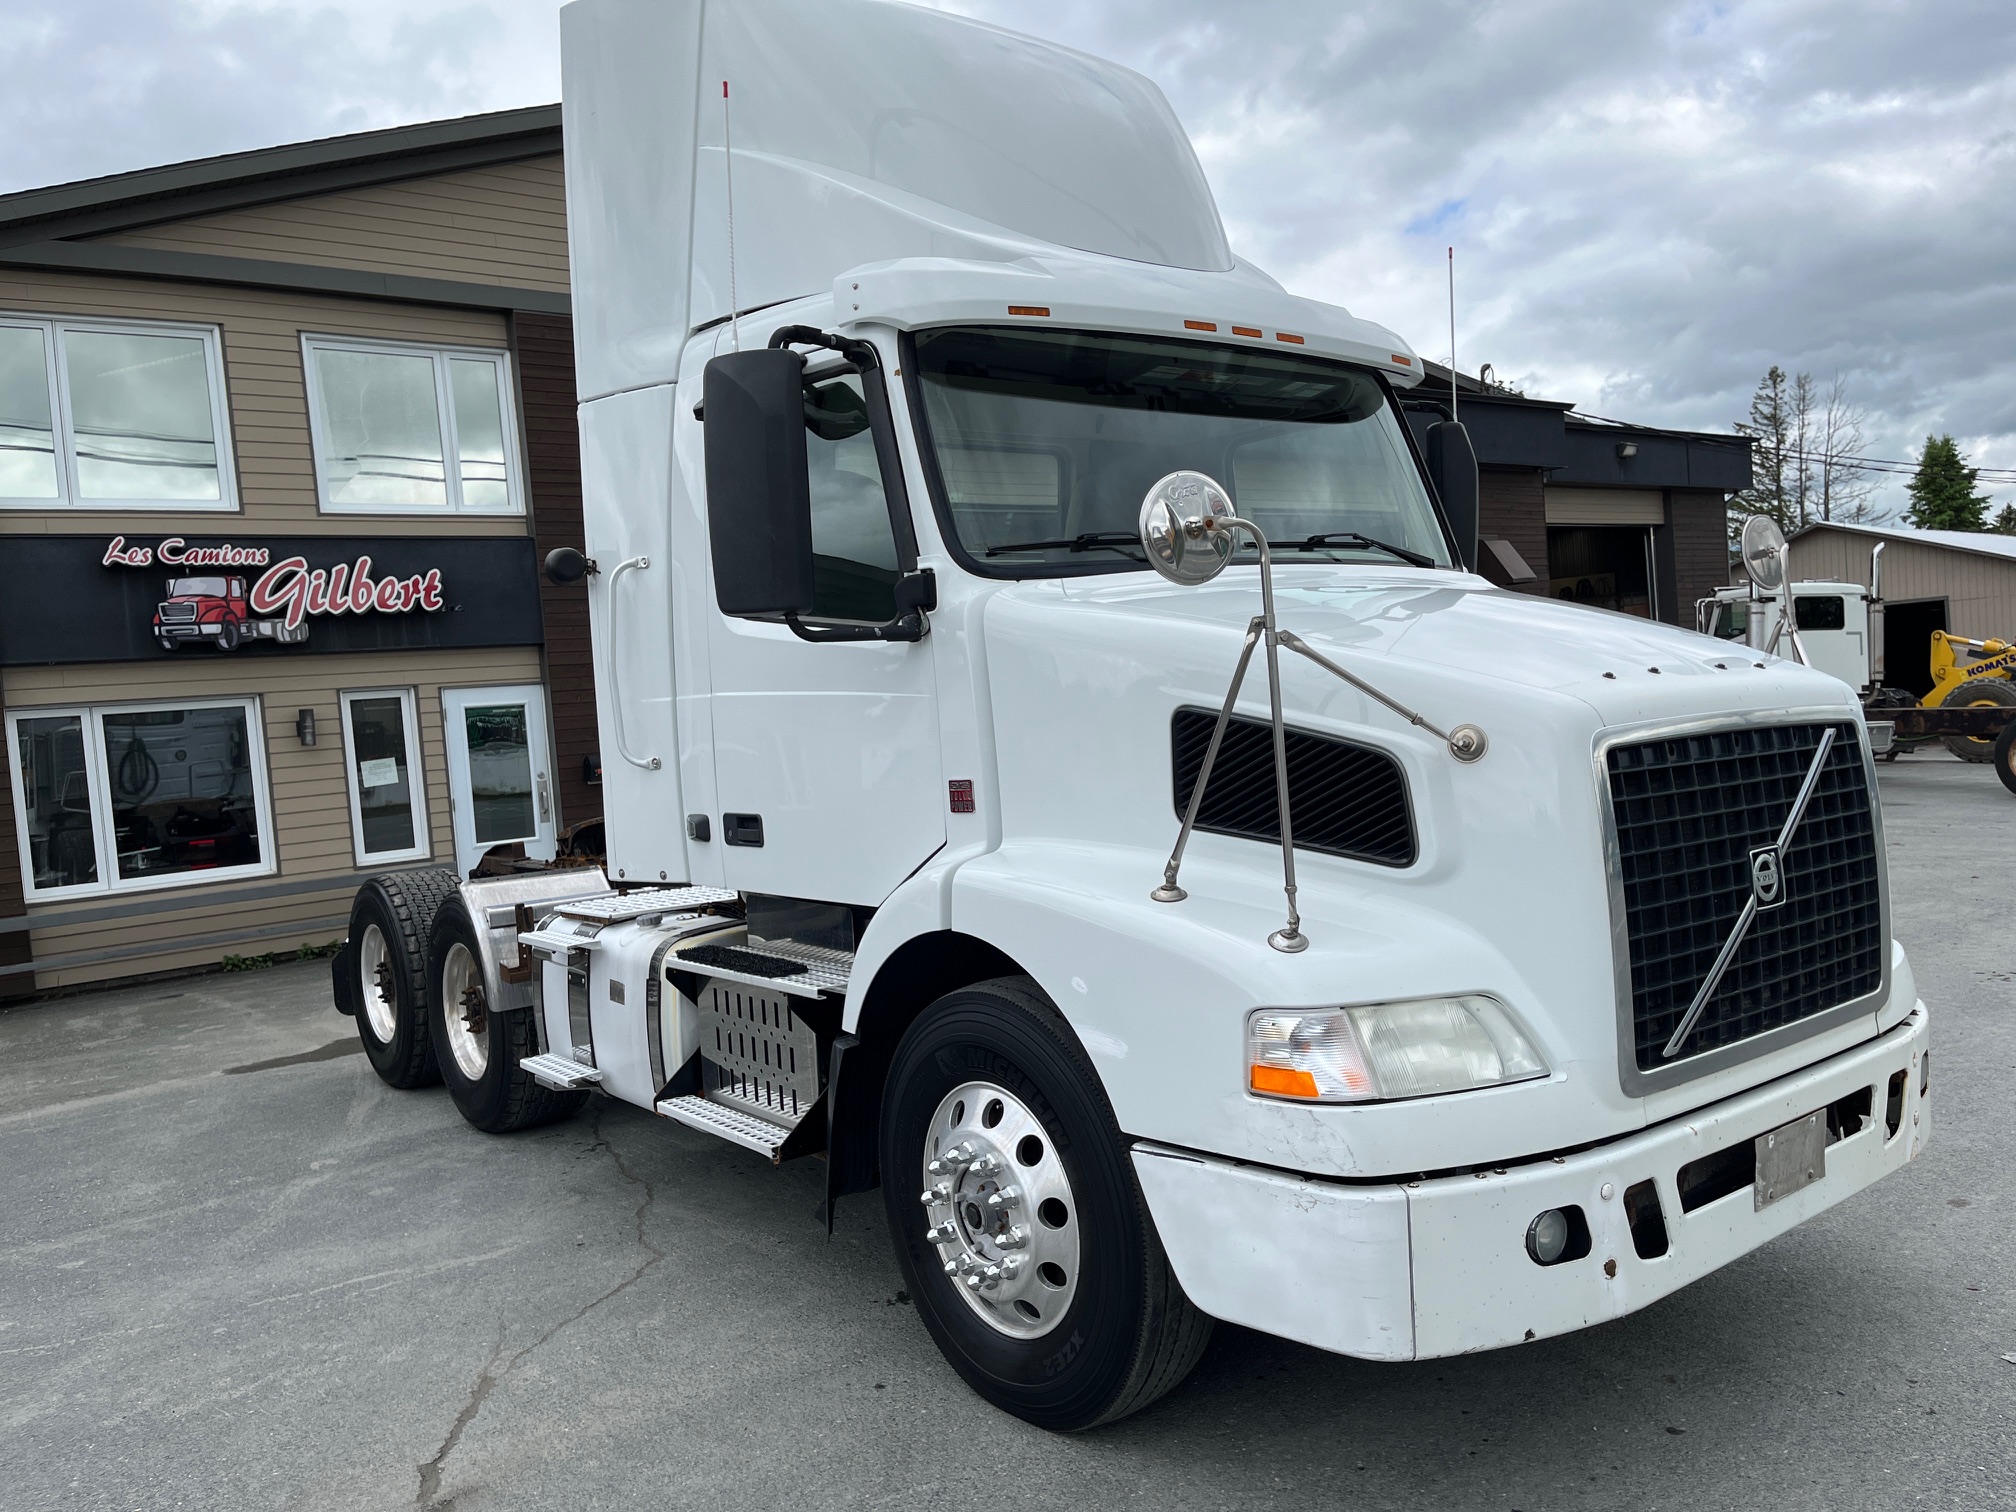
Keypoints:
pixel 237 1271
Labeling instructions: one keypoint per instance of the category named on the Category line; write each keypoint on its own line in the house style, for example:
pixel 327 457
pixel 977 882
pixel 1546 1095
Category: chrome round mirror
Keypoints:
pixel 1764 552
pixel 1183 528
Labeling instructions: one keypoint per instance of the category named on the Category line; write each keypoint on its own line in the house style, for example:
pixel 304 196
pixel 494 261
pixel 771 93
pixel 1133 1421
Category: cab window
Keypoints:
pixel 1818 611
pixel 853 543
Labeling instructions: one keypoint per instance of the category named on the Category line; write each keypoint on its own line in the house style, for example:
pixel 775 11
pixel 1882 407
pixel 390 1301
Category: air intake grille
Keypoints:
pixel 1689 811
pixel 1346 800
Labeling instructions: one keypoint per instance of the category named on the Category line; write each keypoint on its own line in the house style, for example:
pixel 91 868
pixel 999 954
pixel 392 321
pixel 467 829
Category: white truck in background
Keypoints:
pixel 1513 965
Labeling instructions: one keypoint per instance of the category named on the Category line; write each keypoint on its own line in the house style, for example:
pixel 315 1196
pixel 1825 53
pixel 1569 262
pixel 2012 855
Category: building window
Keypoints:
pixel 96 415
pixel 411 430
pixel 135 797
pixel 388 808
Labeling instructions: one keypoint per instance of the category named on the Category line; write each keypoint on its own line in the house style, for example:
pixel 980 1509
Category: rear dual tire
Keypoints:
pixel 386 958
pixel 1123 1333
pixel 479 1052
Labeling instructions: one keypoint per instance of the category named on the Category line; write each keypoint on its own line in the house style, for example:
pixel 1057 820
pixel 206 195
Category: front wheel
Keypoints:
pixel 479 1051
pixel 1992 692
pixel 2003 756
pixel 1017 1219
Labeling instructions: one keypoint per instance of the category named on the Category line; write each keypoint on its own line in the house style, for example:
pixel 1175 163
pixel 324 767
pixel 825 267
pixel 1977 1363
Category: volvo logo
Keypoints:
pixel 1767 876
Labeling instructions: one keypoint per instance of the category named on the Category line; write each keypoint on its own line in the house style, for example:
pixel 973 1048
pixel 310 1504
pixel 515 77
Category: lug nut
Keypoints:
pixel 986 1165
pixel 1015 1238
pixel 942 1192
pixel 1007 1197
pixel 944 1233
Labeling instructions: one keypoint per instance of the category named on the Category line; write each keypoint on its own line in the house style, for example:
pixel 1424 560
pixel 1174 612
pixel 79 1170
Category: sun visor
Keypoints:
pixel 862 131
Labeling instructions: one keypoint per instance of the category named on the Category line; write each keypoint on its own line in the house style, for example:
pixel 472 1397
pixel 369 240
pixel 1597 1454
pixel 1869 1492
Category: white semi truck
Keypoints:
pixel 1061 769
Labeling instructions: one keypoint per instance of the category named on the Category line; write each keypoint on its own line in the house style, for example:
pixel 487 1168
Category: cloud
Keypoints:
pixel 1651 202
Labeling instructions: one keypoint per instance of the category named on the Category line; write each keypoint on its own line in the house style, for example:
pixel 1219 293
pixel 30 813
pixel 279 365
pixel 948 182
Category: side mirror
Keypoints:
pixel 759 493
pixel 1452 464
pixel 565 565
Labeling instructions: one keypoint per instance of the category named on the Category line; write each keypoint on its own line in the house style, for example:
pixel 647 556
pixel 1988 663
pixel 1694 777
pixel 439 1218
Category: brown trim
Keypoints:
pixel 260 273
pixel 14 952
pixel 206 186
pixel 543 359
pixel 1513 505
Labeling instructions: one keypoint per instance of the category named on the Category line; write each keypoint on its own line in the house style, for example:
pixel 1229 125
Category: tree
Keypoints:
pixel 1806 463
pixel 1770 424
pixel 1942 490
pixel 2005 521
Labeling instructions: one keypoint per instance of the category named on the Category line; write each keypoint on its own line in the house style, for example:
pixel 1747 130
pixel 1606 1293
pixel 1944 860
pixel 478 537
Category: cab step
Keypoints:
pixel 561 1072
pixel 775 965
pixel 745 1129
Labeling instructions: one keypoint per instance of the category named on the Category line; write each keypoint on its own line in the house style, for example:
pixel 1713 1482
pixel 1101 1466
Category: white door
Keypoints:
pixel 500 775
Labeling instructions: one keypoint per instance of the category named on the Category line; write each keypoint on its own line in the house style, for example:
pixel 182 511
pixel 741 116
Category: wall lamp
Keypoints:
pixel 1627 449
pixel 304 726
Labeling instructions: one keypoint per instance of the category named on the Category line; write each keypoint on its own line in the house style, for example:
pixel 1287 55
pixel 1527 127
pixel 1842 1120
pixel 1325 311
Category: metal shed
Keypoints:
pixel 1957 581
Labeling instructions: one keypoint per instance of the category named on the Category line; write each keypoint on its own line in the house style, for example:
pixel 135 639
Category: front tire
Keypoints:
pixel 1990 691
pixel 1092 1325
pixel 388 947
pixel 2003 756
pixel 479 1051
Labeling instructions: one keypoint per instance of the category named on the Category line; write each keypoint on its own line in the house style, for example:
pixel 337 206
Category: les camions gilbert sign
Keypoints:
pixel 127 598
pixel 209 601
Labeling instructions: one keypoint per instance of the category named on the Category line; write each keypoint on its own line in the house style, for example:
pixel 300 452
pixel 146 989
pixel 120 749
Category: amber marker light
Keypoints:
pixel 1283 1082
pixel 1403 361
pixel 1028 309
pixel 1291 340
pixel 1200 325
pixel 1245 330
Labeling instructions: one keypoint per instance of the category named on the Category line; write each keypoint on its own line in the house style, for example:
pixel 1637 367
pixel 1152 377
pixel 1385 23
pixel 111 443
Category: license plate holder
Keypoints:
pixel 1790 1158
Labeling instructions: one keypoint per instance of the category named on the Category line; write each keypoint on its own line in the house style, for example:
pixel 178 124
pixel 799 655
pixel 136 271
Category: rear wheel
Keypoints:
pixel 1030 1252
pixel 388 953
pixel 2003 756
pixel 479 1051
pixel 1994 692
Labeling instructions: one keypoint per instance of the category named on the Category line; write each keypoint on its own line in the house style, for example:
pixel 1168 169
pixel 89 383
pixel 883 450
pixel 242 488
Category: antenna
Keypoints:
pixel 728 169
pixel 1452 327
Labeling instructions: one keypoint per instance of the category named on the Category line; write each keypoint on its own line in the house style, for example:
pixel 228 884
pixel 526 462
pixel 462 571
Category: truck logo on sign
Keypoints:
pixel 224 609
pixel 1767 876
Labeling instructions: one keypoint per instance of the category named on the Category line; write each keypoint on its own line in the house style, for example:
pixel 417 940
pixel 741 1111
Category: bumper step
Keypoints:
pixel 559 1071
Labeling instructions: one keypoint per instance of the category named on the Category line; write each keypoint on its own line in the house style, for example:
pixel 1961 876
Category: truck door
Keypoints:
pixel 826 755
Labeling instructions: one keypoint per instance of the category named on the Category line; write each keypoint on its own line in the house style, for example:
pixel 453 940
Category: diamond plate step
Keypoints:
pixel 744 1129
pixel 560 1071
pixel 820 971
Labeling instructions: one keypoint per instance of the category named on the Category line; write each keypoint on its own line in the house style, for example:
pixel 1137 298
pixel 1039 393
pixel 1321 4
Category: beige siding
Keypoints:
pixel 311 816
pixel 269 400
pixel 503 225
pixel 1979 589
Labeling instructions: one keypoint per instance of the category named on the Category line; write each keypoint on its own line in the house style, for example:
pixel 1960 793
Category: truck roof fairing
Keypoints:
pixel 863 132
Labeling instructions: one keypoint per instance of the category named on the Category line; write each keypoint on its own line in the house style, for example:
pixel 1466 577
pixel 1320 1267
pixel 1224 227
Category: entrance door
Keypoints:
pixel 500 782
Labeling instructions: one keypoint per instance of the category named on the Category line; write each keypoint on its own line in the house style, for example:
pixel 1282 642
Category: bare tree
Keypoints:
pixel 1844 484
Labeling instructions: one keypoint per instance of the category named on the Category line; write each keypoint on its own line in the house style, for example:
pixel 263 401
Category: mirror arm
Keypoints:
pixel 916 593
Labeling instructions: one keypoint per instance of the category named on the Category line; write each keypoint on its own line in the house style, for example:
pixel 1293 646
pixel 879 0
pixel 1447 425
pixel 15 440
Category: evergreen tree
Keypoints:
pixel 1773 487
pixel 1942 490
pixel 2005 521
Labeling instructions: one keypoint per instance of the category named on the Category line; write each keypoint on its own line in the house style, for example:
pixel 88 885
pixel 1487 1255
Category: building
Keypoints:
pixel 1953 580
pixel 283 437
pixel 1617 516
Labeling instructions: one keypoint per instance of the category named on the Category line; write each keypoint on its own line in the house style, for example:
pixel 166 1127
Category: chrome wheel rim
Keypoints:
pixel 374 984
pixel 463 1014
pixel 999 1210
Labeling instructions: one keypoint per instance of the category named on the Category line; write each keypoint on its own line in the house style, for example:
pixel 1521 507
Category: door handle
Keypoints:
pixel 647 763
pixel 545 801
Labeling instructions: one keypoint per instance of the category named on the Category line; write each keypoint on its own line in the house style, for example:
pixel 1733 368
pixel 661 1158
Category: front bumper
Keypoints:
pixel 1437 1267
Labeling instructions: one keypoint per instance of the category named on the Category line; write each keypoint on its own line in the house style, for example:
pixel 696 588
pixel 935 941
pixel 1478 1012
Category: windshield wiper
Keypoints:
pixel 1092 540
pixel 1355 538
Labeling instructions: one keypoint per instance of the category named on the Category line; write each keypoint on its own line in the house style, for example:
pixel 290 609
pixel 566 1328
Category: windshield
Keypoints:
pixel 198 587
pixel 1047 441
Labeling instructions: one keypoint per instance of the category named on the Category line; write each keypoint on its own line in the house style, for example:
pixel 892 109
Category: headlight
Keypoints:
pixel 1386 1050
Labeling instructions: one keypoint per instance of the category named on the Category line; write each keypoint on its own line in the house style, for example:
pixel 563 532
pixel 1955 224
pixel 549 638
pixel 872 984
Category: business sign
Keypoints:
pixel 79 599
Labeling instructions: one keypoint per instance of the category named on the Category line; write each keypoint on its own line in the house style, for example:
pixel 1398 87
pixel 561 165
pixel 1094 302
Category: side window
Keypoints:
pixel 1820 611
pixel 1734 622
pixel 853 545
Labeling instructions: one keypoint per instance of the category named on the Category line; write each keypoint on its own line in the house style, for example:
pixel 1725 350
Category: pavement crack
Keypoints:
pixel 487 1379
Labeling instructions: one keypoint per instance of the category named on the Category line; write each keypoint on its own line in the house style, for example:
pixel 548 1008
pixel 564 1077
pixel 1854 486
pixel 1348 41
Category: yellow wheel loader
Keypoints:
pixel 1971 674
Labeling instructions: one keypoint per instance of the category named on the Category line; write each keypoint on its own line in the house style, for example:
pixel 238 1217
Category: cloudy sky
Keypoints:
pixel 1652 201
